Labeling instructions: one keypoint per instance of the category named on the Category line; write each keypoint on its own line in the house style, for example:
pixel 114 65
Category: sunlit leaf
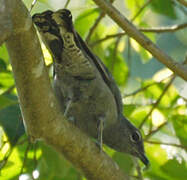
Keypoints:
pixel 4 54
pixel 6 79
pixel 157 157
pixel 117 66
pixel 139 114
pixel 88 16
pixel 12 167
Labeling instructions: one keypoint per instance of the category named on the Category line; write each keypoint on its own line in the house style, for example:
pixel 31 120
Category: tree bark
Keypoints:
pixel 41 113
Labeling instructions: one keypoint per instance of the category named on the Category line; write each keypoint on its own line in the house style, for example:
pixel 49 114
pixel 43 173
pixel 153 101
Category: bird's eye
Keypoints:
pixel 70 16
pixel 65 14
pixel 136 136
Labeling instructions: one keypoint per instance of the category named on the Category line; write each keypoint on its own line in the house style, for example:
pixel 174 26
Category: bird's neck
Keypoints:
pixel 111 136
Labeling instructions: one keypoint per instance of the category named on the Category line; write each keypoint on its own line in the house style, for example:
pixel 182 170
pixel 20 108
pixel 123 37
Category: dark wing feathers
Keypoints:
pixel 106 75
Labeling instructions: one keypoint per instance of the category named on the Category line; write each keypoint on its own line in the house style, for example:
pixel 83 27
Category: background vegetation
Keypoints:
pixel 154 99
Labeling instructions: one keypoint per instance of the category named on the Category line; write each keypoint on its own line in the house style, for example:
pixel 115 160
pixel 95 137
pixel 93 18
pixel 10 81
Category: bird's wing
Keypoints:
pixel 106 75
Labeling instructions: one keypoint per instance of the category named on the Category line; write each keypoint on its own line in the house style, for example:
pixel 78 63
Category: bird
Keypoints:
pixel 84 87
pixel 78 82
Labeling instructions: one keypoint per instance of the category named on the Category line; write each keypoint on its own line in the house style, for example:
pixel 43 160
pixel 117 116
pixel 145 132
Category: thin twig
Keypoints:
pixel 32 5
pixel 92 29
pixel 25 156
pixel 7 155
pixel 145 88
pixel 180 6
pixel 35 157
pixel 151 133
pixel 168 144
pixel 9 90
pixel 129 56
pixel 67 3
pixel 140 90
pixel 5 159
pixel 22 141
pixel 158 101
pixel 138 169
pixel 118 34
pixel 107 37
pixel 183 2
pixel 141 9
pixel 115 53
pixel 173 28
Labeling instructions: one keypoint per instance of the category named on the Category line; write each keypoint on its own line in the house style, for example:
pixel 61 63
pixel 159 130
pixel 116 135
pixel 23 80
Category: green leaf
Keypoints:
pixel 180 126
pixel 12 167
pixel 5 101
pixel 53 166
pixel 3 65
pixel 11 121
pixel 156 176
pixel 165 7
pixel 134 6
pixel 129 108
pixel 4 54
pixel 116 66
pixel 124 161
pixel 139 114
pixel 6 79
pixel 177 171
pixel 85 20
pixel 157 157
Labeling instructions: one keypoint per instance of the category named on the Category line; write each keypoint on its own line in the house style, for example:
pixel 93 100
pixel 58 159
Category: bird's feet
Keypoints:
pixel 100 132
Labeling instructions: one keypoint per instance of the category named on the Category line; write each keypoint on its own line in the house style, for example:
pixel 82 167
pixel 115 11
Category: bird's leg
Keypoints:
pixel 100 132
pixel 68 105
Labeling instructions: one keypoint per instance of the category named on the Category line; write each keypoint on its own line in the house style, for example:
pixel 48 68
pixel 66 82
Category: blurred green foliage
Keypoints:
pixel 135 71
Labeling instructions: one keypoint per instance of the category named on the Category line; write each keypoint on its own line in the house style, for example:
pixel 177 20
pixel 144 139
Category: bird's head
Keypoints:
pixel 63 19
pixel 45 23
pixel 49 33
pixel 125 137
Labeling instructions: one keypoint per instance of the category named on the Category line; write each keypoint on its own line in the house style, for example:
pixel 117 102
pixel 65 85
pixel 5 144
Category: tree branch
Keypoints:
pixel 151 133
pixel 67 3
pixel 131 30
pixel 42 115
pixel 141 9
pixel 168 144
pixel 183 2
pixel 173 28
pixel 5 23
pixel 96 23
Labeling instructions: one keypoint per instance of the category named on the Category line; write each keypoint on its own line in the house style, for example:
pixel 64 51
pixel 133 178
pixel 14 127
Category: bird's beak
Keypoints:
pixel 144 159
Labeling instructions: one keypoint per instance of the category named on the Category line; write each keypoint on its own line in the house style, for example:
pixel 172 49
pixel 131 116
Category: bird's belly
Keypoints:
pixel 91 100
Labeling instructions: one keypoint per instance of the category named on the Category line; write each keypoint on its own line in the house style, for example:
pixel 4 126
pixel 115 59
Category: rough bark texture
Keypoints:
pixel 5 22
pixel 40 110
